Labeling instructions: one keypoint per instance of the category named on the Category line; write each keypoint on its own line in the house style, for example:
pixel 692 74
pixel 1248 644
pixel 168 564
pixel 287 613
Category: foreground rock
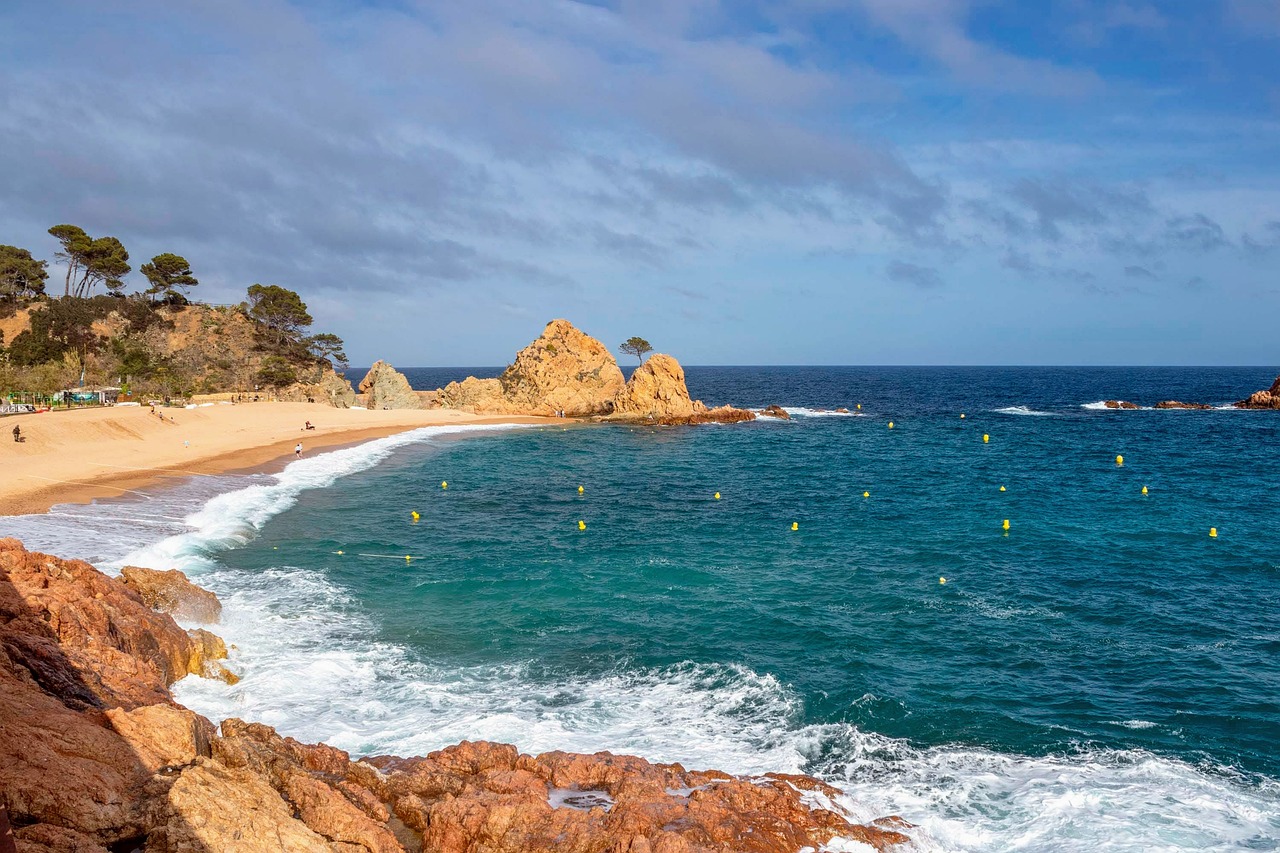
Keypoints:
pixel 94 755
pixel 170 592
pixel 1268 399
pixel 384 387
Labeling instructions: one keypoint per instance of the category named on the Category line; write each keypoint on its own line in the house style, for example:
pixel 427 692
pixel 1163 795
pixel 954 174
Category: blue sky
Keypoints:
pixel 773 182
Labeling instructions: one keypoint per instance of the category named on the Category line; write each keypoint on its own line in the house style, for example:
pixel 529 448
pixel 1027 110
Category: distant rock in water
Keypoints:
pixel 1175 404
pixel 776 411
pixel 569 373
pixel 1268 399
pixel 95 755
pixel 385 387
pixel 1120 404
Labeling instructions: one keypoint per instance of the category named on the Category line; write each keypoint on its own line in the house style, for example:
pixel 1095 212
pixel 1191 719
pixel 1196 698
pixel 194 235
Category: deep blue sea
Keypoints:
pixel 1104 675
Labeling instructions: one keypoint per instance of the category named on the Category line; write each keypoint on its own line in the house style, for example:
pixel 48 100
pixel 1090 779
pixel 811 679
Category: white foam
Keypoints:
pixel 805 412
pixel 1132 724
pixel 1023 410
pixel 1101 406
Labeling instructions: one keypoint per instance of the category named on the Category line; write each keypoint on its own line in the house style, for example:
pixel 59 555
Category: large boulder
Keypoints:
pixel 1268 399
pixel 385 387
pixel 656 390
pixel 170 592
pixel 474 395
pixel 565 370
pixel 1178 404
pixel 329 388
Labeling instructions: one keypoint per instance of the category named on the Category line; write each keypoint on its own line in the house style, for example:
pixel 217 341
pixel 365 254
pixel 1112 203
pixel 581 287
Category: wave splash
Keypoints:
pixel 1023 410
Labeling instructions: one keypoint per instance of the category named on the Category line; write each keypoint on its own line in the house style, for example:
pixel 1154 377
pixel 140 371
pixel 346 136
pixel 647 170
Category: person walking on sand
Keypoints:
pixel 17 433
pixel 297 450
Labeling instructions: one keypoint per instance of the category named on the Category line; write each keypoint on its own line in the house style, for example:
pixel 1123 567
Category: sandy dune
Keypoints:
pixel 76 456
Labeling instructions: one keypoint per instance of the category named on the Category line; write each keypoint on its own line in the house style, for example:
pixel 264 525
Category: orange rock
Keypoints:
pixel 171 592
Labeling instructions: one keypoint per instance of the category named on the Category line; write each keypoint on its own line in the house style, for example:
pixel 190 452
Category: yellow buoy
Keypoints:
pixel 859 407
pixel 795 525
pixel 866 494
pixel 985 438
pixel 1144 490
pixel 339 553
pixel 1002 488
pixel 890 424
pixel 444 484
pixel 717 496
pixel 962 416
pixel 1213 532
pixel 1006 524
pixel 580 490
pixel 415 515
pixel 407 558
pixel 1119 459
pixel 582 525
pixel 942 580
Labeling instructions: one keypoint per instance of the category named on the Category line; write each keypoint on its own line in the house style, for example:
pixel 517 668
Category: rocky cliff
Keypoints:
pixel 96 756
pixel 1267 399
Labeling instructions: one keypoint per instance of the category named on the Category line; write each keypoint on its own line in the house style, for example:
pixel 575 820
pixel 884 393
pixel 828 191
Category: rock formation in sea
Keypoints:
pixel 95 755
pixel 171 592
pixel 384 387
pixel 1266 399
pixel 1120 404
pixel 567 372
pixel 776 411
pixel 1178 404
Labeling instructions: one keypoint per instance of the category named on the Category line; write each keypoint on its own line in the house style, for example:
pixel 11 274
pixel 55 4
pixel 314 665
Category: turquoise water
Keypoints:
pixel 1103 675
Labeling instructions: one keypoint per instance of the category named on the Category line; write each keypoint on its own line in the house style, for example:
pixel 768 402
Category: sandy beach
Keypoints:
pixel 78 456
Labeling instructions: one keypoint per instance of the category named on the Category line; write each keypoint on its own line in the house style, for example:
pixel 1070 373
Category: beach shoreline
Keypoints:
pixel 89 454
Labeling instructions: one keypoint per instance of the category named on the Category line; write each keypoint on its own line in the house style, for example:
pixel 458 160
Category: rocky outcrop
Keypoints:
pixel 328 387
pixel 569 373
pixel 170 592
pixel 1267 399
pixel 1120 404
pixel 86 765
pixel 1176 404
pixel 384 387
pixel 656 389
pixel 776 412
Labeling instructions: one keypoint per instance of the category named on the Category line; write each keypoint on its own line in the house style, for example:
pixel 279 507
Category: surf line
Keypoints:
pixel 89 484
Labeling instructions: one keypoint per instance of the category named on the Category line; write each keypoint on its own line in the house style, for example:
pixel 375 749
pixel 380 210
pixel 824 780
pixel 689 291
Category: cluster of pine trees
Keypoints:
pixel 59 343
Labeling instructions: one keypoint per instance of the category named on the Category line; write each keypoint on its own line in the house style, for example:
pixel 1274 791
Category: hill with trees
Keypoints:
pixel 153 342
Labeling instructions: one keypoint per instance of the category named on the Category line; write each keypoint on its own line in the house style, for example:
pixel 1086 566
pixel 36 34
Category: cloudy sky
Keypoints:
pixel 768 182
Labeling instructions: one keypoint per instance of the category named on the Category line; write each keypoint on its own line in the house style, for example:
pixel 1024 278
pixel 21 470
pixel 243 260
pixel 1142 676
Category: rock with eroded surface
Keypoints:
pixel 384 387
pixel 1267 399
pixel 565 370
pixel 1178 404
pixel 1119 404
pixel 171 592
pixel 655 390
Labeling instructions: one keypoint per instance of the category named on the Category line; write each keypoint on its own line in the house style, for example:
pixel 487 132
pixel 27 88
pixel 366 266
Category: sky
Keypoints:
pixel 767 182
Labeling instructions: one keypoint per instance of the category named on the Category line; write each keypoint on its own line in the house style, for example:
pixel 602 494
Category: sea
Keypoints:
pixel 836 594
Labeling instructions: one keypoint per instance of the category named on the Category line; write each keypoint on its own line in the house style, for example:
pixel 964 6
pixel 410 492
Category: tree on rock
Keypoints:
pixel 20 274
pixel 281 312
pixel 169 275
pixel 327 347
pixel 90 261
pixel 637 347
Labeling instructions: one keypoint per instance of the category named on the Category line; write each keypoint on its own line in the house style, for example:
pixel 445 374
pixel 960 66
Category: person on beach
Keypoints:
pixel 308 425
pixel 297 450
pixel 17 433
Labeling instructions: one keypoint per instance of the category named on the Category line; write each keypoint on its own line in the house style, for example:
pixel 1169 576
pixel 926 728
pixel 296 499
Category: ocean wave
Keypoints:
pixel 233 518
pixel 310 668
pixel 805 412
pixel 1023 410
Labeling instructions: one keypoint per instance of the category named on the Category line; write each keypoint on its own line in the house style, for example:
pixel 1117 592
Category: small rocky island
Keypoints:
pixel 1265 399
pixel 564 372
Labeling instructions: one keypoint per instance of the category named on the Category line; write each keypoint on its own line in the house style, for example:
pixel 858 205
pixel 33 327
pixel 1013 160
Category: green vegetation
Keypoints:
pixel 637 347
pixel 153 341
